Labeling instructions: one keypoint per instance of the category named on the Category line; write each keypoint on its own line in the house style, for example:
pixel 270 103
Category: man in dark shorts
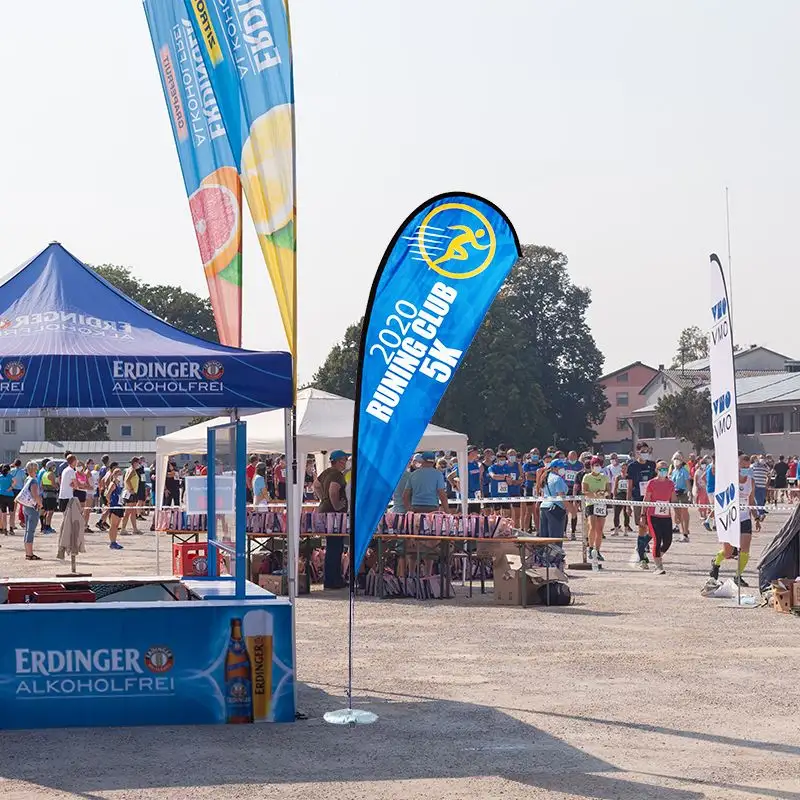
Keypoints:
pixel 780 481
pixel 330 487
pixel 67 483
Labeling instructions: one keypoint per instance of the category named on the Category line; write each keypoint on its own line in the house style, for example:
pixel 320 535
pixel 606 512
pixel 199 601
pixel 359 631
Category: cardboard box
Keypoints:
pixel 783 594
pixel 278 584
pixel 796 593
pixel 507 589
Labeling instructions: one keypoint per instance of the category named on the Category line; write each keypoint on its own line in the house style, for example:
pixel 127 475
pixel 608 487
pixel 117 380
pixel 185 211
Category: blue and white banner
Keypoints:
pixel 435 284
pixel 727 513
pixel 167 663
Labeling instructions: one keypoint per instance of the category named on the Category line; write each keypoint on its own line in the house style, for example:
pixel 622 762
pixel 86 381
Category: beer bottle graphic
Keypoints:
pixel 238 682
pixel 258 637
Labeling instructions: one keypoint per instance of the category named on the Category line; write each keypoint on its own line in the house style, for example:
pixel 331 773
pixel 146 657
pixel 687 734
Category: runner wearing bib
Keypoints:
pixel 639 473
pixel 594 487
pixel 747 497
pixel 499 474
pixel 571 469
pixel 660 491
pixel 679 475
pixel 622 491
pixel 530 466
pixel 515 481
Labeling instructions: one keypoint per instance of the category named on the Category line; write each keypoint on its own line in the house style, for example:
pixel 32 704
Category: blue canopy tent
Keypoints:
pixel 71 344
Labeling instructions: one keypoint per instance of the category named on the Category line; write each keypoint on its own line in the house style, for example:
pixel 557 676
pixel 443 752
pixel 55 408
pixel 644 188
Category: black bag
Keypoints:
pixel 560 595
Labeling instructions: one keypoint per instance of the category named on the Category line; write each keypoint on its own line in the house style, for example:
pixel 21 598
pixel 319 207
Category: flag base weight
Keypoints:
pixel 350 716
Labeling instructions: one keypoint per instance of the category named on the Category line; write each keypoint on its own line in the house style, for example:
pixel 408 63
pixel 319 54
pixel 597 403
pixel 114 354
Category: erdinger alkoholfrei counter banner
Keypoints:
pixel 180 663
pixel 247 50
pixel 436 282
pixel 209 168
pixel 727 513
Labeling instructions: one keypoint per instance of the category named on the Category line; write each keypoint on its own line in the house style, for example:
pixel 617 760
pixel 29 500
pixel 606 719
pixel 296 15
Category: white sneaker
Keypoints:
pixel 685 537
pixel 644 565
pixel 660 571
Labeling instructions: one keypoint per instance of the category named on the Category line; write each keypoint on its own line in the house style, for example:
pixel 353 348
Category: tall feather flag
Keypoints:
pixel 210 171
pixel 247 50
pixel 433 288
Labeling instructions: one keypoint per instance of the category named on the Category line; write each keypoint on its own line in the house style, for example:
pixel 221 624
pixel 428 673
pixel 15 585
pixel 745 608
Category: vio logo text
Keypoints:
pixel 723 498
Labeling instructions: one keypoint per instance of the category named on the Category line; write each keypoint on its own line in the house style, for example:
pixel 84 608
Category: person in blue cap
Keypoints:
pixel 427 489
pixel 330 487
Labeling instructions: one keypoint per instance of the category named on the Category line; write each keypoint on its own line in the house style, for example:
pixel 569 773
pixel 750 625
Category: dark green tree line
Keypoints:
pixel 530 376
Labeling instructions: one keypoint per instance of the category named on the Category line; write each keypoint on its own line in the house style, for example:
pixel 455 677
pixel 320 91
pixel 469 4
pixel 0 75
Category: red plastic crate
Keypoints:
pixel 65 596
pixel 191 558
pixel 23 592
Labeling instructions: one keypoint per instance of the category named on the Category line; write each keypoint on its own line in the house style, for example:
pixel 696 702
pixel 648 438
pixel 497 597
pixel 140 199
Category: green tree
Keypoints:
pixel 187 311
pixel 338 372
pixel 687 415
pixel 78 429
pixel 530 375
pixel 692 345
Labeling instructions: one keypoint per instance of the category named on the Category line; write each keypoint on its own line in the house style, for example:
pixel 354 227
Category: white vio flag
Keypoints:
pixel 723 411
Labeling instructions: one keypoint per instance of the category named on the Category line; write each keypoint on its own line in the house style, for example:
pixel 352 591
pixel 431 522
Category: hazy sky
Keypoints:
pixel 605 130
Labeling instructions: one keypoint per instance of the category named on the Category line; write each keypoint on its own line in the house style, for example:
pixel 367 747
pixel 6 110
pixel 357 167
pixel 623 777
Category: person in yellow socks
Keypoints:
pixel 595 489
pixel 747 497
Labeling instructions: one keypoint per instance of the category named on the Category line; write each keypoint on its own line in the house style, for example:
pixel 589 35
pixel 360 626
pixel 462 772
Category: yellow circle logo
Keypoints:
pixel 444 239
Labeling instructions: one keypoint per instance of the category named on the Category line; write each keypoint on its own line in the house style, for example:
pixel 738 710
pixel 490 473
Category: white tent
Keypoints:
pixel 324 423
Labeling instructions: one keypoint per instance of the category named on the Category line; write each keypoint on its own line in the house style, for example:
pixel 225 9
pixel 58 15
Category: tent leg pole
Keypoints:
pixel 292 527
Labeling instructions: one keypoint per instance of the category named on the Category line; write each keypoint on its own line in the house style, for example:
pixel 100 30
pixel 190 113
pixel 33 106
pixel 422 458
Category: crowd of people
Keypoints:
pixel 656 495
pixel 650 498
pixel 118 494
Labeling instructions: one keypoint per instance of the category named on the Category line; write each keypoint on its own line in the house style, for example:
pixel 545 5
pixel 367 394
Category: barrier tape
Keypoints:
pixel 607 501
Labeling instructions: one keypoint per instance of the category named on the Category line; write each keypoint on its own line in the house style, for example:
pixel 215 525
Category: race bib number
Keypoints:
pixel 569 476
pixel 599 509
pixel 643 486
pixel 661 510
pixel 622 486
pixel 502 487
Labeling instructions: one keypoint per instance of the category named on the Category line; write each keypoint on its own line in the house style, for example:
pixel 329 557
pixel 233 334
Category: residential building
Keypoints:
pixel 622 389
pixel 14 431
pixel 133 431
pixel 768 418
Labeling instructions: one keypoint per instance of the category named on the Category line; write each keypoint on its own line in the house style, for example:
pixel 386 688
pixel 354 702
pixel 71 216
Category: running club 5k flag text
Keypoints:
pixel 436 282
pixel 246 48
pixel 210 172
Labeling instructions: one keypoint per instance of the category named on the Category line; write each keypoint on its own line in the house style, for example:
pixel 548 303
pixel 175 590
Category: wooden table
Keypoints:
pixel 522 542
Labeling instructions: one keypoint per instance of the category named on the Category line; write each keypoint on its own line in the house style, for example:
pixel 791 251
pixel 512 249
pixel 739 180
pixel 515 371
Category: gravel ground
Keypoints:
pixel 642 689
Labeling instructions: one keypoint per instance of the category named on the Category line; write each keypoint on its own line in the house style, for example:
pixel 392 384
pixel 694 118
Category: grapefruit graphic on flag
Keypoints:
pixel 267 179
pixel 217 218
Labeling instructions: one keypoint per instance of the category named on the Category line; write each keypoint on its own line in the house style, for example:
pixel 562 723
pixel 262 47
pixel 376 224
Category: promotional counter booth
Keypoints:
pixel 136 650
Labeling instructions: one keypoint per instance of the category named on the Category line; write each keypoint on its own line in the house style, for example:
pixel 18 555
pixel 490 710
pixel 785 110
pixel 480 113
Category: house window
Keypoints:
pixel 125 431
pixel 667 433
pixel 647 430
pixel 772 423
pixel 10 455
pixel 622 377
pixel 747 423
pixel 622 398
pixel 161 430
pixel 9 426
pixel 622 424
pixel 794 422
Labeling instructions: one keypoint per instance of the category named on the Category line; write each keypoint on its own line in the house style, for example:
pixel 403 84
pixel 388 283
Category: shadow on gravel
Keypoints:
pixel 433 739
pixel 754 744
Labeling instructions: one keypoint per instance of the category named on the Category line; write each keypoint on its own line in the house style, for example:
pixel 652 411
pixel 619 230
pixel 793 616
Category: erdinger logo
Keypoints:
pixel 166 377
pixel 14 370
pixel 159 659
pixel 213 370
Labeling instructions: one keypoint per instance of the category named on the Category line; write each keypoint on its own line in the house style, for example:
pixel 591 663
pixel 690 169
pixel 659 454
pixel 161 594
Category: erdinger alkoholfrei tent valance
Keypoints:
pixel 71 344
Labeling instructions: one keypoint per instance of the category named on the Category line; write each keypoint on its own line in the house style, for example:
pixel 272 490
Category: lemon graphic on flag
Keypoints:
pixel 267 173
